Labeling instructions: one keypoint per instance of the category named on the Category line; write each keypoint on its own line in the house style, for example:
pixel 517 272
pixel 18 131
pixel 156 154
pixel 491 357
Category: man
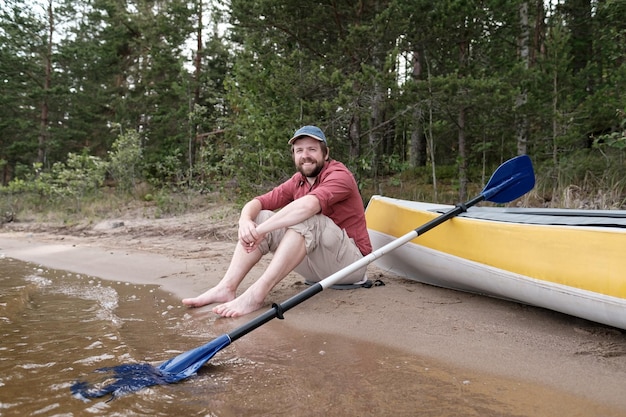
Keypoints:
pixel 319 228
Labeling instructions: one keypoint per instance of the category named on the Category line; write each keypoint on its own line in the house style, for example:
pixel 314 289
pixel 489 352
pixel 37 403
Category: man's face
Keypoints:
pixel 308 156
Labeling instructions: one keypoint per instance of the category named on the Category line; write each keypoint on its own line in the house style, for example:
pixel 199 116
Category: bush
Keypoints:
pixel 126 161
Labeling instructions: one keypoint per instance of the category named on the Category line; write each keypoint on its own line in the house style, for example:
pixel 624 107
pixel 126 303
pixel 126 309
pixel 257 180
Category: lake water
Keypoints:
pixel 57 327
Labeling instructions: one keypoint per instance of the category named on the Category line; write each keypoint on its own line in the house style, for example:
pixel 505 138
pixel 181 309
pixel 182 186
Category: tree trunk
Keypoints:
pixel 462 157
pixel 354 134
pixel 521 100
pixel 417 144
pixel 539 33
pixel 374 136
pixel 193 134
pixel 555 112
pixel 43 120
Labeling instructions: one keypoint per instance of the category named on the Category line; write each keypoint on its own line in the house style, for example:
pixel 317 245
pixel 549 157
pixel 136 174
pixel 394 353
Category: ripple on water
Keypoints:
pixel 63 326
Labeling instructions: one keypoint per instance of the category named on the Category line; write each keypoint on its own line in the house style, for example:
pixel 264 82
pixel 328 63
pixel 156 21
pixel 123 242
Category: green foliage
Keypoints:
pixel 38 187
pixel 126 160
pixel 616 139
pixel 169 170
pixel 22 35
pixel 386 80
pixel 78 176
pixel 72 181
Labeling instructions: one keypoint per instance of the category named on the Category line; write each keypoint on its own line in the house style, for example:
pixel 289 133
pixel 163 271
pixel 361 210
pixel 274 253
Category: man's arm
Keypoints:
pixel 247 227
pixel 251 234
pixel 293 213
pixel 250 211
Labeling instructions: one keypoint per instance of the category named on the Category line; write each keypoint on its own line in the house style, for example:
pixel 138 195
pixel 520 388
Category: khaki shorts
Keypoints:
pixel 328 248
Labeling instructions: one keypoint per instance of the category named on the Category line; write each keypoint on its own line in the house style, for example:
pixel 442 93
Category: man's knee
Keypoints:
pixel 314 230
pixel 263 216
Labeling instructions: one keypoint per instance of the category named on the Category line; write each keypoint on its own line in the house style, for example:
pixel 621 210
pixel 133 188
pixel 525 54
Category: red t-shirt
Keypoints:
pixel 339 197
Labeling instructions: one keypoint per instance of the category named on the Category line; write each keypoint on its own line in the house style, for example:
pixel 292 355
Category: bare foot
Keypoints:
pixel 240 306
pixel 214 295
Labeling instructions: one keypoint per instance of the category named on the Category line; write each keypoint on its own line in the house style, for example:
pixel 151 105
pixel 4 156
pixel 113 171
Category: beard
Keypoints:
pixel 311 171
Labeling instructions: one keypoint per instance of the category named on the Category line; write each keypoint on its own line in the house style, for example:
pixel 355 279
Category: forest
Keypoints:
pixel 419 98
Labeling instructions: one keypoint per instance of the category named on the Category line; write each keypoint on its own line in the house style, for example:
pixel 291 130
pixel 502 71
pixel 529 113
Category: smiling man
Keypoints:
pixel 313 223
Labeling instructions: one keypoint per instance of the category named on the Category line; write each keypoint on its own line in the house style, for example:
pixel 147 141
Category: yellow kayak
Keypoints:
pixel 571 261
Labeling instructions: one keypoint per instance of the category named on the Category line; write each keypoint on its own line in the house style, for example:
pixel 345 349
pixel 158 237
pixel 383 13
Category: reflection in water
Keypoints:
pixel 58 327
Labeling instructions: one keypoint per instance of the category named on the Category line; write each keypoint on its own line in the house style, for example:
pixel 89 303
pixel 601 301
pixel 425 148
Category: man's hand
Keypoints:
pixel 248 235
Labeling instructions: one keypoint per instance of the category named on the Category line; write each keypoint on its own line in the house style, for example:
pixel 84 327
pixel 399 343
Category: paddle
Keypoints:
pixel 511 180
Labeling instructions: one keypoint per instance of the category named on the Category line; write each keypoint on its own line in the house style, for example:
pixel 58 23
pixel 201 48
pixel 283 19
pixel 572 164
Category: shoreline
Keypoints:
pixel 502 341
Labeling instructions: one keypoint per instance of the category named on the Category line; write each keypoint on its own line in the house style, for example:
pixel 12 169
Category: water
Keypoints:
pixel 57 327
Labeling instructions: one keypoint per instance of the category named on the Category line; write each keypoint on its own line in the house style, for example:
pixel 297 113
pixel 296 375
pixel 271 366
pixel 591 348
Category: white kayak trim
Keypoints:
pixel 541 216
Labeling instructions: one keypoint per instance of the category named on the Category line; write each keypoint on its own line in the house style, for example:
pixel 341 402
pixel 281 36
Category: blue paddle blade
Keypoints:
pixel 512 179
pixel 119 380
pixel 186 364
pixel 124 379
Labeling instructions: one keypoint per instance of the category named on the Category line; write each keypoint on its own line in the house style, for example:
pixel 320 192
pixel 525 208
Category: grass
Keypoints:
pixel 605 192
pixel 591 187
pixel 571 197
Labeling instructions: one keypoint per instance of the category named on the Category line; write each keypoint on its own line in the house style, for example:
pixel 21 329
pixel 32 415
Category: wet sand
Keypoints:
pixel 537 361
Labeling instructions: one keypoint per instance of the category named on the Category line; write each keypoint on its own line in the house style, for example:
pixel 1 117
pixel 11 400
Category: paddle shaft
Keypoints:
pixel 278 309
pixel 510 181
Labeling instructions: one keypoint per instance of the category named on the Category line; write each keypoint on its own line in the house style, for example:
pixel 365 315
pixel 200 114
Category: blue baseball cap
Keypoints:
pixel 312 131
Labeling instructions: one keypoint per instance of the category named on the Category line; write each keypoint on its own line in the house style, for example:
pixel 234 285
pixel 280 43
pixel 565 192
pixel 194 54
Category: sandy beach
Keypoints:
pixel 523 350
